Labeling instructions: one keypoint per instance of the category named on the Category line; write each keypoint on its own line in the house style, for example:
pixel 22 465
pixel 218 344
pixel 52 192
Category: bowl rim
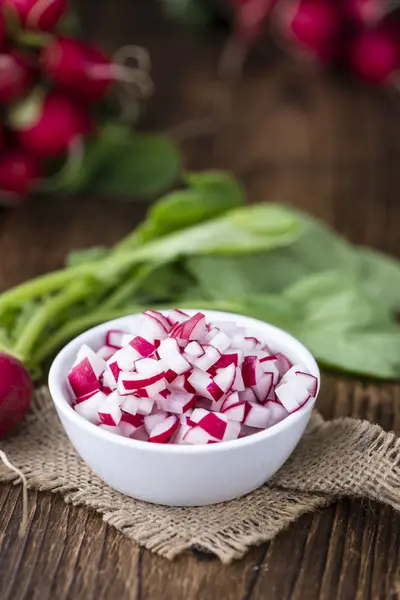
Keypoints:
pixel 58 375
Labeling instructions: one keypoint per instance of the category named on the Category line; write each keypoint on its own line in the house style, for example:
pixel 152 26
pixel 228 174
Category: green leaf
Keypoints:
pixel 86 255
pixel 380 277
pixel 211 194
pixel 135 166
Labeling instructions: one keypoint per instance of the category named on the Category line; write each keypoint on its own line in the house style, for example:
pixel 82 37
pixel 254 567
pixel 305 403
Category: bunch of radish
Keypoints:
pixel 363 35
pixel 178 379
pixel 49 87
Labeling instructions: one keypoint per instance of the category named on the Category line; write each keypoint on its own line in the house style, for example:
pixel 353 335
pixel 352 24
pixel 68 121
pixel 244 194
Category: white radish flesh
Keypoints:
pixel 89 409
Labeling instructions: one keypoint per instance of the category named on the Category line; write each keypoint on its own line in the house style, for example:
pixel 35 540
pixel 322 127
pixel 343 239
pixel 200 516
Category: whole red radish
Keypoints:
pixel 366 12
pixel 310 28
pixel 47 124
pixel 375 55
pixel 16 391
pixel 250 16
pixel 78 67
pixel 19 171
pixel 41 15
pixel 3 30
pixel 16 76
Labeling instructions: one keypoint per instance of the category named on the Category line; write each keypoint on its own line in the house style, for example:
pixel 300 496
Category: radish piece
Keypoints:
pixel 97 363
pixel 142 346
pixel 151 391
pixel 232 431
pixel 214 424
pixel 180 433
pixel 210 357
pixel 149 366
pixel 196 435
pixel 177 316
pixel 228 327
pixel 124 359
pixel 178 402
pixel 235 412
pixel 87 396
pixel 108 380
pixel 202 402
pixel 308 381
pixel 238 383
pixel 152 329
pixel 89 409
pixel 194 328
pixel 283 363
pixel 170 375
pixel 248 395
pixel 170 354
pixel 135 420
pixel 194 349
pixel 220 341
pixel 251 371
pixel 233 356
pixel 269 364
pixel 163 431
pixel 230 400
pixel 215 391
pixel 134 405
pixel 152 420
pixel 128 382
pixel 225 378
pixel 292 395
pixel 291 373
pixel 276 412
pixel 256 415
pixel 160 317
pixel 105 352
pixel 110 411
pixel 263 387
pixel 114 338
pixel 112 429
pixel 83 379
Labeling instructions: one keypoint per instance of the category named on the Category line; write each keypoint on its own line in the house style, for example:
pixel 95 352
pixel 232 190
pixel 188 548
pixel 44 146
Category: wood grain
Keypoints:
pixel 326 144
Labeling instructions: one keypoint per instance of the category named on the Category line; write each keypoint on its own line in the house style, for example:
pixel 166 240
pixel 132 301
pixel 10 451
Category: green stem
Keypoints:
pixel 48 311
pixel 125 292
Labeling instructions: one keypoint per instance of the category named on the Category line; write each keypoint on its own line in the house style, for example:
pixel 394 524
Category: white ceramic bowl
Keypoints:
pixel 180 475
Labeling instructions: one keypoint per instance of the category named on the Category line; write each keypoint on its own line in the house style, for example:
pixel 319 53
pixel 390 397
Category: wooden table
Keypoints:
pixel 329 145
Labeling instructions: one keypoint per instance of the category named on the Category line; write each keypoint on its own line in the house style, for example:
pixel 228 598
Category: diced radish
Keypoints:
pixel 87 396
pixel 180 433
pixel 177 316
pixel 110 411
pixel 263 387
pixel 238 383
pixel 135 420
pixel 291 373
pixel 160 317
pixel 105 352
pixel 178 402
pixel 202 402
pixel 152 328
pixel 114 338
pixel 309 382
pixel 129 382
pixel 149 366
pixel 142 346
pixel 248 395
pixel 210 357
pixel 220 341
pixel 232 431
pixel 83 379
pixel 97 363
pixel 140 406
pixel 292 395
pixel 283 363
pixel 170 375
pixel 228 327
pixel 213 423
pixel 196 435
pixel 231 356
pixel 152 420
pixel 230 400
pixel 194 349
pixel 251 371
pixel 108 380
pixel 163 431
pixel 235 412
pixel 256 415
pixel 112 429
pixel 269 364
pixel 151 391
pixel 170 354
pixel 225 378
pixel 214 390
pixel 89 409
pixel 194 328
pixel 124 359
pixel 276 413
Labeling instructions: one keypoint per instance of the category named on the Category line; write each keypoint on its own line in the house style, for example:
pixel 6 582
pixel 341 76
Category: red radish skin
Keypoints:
pixel 3 31
pixel 41 15
pixel 375 55
pixel 16 392
pixel 163 431
pixel 16 76
pixel 366 12
pixel 19 172
pixel 309 28
pixel 58 122
pixel 83 379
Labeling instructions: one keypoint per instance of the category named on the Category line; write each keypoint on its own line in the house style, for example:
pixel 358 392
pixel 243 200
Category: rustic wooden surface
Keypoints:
pixel 324 143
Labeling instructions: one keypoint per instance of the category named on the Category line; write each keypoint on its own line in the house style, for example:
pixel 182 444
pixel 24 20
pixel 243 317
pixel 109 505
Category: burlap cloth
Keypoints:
pixel 343 457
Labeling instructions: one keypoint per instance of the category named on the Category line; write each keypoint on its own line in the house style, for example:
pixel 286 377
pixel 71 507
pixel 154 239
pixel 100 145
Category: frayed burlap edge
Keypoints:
pixel 344 457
